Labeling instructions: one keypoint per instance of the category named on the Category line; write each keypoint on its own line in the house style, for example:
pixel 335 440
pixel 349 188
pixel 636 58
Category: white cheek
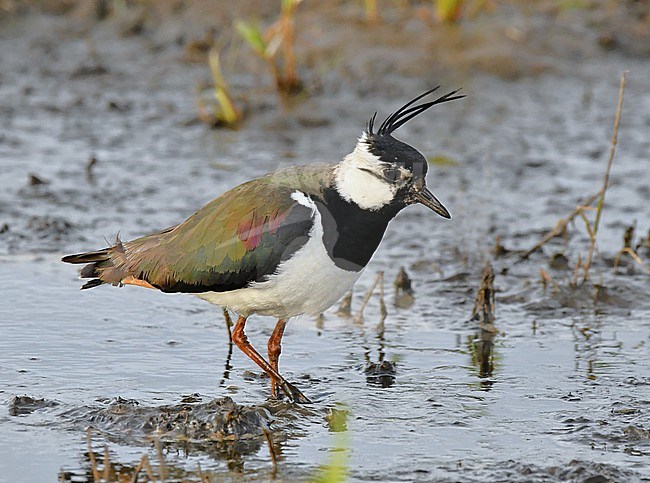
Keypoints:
pixel 363 188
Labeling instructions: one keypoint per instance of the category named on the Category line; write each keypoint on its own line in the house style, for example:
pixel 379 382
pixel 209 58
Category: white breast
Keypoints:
pixel 308 283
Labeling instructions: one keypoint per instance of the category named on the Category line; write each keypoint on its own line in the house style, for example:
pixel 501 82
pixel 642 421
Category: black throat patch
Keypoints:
pixel 351 234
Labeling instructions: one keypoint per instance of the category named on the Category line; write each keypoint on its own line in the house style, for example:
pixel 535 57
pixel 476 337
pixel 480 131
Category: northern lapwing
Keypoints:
pixel 289 243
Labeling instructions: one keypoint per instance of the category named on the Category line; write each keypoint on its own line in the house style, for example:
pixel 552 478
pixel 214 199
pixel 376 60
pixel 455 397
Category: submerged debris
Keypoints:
pixel 483 313
pixel 89 69
pixel 20 405
pixel 499 250
pixel 36 180
pixel 404 296
pixel 483 310
pixel 90 165
pixel 559 261
pixel 381 373
pixel 48 226
pixel 219 427
pixel 197 50
pixel 628 237
pixel 217 420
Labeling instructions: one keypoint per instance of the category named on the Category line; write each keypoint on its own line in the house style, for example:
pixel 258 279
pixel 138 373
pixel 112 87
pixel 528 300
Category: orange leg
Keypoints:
pixel 275 349
pixel 241 341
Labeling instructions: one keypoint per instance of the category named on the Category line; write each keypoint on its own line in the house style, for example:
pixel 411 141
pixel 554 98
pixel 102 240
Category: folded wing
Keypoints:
pixel 235 240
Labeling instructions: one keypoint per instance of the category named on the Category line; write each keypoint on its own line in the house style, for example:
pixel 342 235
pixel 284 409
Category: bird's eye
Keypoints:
pixel 392 174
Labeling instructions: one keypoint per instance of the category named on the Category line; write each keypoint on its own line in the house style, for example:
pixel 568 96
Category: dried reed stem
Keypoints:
pixel 359 316
pixel 370 6
pixel 547 279
pixel 601 201
pixel 287 16
pixel 107 466
pixel 147 466
pixel 144 463
pixel 576 271
pixel 382 303
pixel 138 469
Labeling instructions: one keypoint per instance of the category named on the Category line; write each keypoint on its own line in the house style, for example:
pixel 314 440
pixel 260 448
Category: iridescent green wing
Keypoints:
pixel 239 238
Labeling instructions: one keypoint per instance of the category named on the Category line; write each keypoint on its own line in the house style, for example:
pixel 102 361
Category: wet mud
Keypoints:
pixel 525 373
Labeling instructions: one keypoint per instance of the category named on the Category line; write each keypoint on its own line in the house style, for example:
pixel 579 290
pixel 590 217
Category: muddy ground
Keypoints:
pixel 564 395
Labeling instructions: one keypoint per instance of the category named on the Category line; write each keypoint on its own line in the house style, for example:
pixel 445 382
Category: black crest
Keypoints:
pixel 405 113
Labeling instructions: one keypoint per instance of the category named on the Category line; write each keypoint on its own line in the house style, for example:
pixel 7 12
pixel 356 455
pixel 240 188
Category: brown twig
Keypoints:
pixel 91 456
pixel 547 279
pixel 561 225
pixel 590 231
pixel 601 201
pixel 138 469
pixel 634 256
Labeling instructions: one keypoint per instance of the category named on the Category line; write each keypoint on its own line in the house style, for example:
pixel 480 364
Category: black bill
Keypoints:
pixel 426 197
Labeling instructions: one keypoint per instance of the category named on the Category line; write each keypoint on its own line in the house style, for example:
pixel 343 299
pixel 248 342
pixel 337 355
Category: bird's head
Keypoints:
pixel 382 171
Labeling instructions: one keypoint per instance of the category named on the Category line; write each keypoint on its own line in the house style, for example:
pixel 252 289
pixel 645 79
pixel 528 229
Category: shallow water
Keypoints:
pixel 568 396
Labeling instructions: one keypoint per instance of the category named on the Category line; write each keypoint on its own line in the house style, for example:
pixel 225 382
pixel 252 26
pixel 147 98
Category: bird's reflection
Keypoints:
pixel 481 346
pixel 228 366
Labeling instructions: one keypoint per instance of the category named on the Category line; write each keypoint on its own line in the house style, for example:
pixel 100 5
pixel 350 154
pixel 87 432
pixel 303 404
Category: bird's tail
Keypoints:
pixel 102 266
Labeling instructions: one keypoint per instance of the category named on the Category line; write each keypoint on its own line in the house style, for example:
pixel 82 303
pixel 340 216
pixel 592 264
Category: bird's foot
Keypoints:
pixel 293 393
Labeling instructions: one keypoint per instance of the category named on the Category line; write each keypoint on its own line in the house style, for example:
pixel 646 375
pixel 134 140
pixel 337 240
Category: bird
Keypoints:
pixel 289 243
